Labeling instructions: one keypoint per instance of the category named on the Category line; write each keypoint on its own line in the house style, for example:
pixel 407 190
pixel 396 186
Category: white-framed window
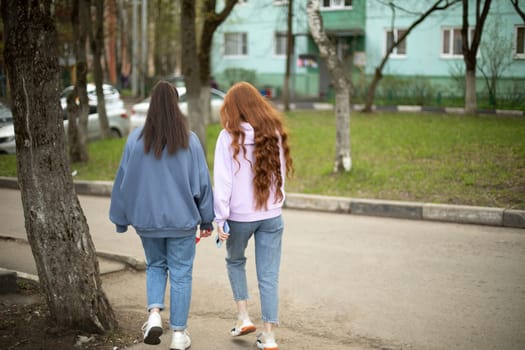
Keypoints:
pixel 280 39
pixel 336 4
pixel 452 42
pixel 235 44
pixel 392 36
pixel 519 43
pixel 280 2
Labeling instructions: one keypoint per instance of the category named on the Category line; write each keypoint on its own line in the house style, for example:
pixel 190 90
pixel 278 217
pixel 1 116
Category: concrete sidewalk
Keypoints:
pixel 347 281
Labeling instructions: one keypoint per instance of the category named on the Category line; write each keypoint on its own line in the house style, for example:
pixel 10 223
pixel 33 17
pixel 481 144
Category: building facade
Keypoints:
pixel 251 45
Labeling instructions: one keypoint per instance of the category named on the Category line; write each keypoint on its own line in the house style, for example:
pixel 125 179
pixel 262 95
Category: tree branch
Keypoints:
pixel 518 9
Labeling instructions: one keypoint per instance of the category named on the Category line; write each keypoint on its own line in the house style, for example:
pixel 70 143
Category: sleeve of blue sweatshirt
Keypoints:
pixel 204 198
pixel 117 214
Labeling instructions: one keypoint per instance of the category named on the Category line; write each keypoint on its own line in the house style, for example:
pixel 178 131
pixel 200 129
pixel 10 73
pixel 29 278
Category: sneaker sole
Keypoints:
pixel 270 348
pixel 261 346
pixel 153 337
pixel 186 348
pixel 244 331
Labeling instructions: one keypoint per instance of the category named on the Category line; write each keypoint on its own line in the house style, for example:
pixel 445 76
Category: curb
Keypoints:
pixel 418 108
pixel 462 214
pixel 6 275
pixel 327 106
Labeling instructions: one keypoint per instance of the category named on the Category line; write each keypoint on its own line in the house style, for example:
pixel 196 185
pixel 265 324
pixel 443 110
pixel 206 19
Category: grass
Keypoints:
pixel 413 157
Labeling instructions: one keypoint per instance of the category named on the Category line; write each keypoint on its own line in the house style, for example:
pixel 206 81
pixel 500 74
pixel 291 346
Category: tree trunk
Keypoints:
pixel 111 46
pixel 80 19
pixel 470 50
pixel 56 227
pixel 212 20
pixel 190 68
pixel 72 129
pixel 471 102
pixel 327 51
pixel 97 43
pixel 370 96
pixel 289 53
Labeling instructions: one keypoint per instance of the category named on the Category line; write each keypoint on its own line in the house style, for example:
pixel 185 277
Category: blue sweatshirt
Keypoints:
pixel 166 197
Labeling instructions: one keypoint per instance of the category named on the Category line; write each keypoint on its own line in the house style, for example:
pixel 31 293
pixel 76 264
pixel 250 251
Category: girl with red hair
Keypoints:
pixel 252 160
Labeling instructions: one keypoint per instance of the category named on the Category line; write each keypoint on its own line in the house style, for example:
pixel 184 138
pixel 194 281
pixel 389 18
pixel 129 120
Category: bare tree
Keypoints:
pixel 212 20
pixel 111 47
pixel 97 47
pixel 327 51
pixel 470 49
pixel 492 63
pixel 80 18
pixel 56 227
pixel 289 52
pixel 165 41
pixel 191 70
pixel 518 9
pixel 438 5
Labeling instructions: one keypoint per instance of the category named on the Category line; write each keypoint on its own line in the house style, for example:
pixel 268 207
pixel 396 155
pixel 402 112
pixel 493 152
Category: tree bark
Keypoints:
pixel 72 115
pixel 289 53
pixel 111 46
pixel 327 51
pixel 97 44
pixel 470 50
pixel 80 18
pixel 212 20
pixel 438 5
pixel 191 71
pixel 56 226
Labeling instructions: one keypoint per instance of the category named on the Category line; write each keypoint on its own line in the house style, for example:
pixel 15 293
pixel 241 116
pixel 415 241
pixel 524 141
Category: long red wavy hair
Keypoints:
pixel 243 103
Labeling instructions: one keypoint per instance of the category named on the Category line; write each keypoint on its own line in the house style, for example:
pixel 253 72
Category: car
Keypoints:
pixel 139 111
pixel 7 131
pixel 119 125
pixel 111 97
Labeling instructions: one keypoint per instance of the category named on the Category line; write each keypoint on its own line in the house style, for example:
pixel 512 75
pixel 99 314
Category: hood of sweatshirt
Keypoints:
pixel 249 134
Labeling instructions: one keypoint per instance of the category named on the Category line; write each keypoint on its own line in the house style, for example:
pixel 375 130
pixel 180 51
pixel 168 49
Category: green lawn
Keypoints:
pixel 415 157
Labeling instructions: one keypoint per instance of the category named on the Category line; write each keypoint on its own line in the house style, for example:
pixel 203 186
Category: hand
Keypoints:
pixel 205 233
pixel 222 235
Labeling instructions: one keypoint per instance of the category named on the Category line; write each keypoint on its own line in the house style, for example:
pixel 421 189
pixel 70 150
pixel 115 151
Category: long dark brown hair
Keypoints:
pixel 243 103
pixel 165 125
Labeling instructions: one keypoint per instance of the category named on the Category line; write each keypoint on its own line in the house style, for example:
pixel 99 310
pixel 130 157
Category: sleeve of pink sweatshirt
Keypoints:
pixel 222 178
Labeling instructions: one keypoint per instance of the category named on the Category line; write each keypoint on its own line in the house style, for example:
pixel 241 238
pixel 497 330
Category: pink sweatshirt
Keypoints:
pixel 233 186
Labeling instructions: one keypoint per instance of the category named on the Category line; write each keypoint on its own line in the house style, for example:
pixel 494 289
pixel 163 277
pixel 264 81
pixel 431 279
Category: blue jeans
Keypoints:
pixel 268 235
pixel 176 256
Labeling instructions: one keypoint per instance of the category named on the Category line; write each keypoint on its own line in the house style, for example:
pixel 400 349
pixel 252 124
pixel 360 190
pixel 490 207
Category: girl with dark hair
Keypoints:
pixel 252 159
pixel 163 190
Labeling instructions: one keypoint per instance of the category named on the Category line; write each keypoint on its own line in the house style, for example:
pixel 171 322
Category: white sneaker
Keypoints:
pixel 266 341
pixel 152 329
pixel 242 327
pixel 180 340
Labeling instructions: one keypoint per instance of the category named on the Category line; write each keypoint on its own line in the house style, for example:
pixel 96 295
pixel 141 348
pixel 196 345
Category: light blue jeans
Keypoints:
pixel 268 236
pixel 173 255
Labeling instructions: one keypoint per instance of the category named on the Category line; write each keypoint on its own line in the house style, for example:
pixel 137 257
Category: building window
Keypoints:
pixel 280 44
pixel 391 37
pixel 336 4
pixel 453 42
pixel 519 45
pixel 235 44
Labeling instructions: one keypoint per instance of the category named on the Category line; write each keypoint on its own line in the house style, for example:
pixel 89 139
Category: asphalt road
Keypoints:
pixel 387 283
